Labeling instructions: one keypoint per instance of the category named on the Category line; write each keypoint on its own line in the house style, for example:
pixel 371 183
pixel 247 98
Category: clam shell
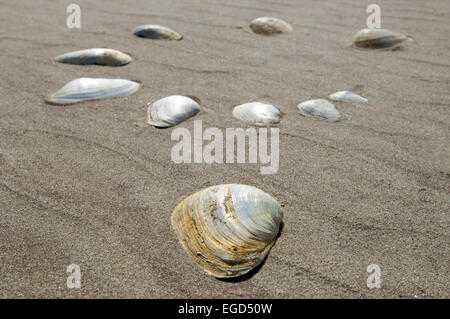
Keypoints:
pixel 99 56
pixel 171 110
pixel 227 229
pixel 84 89
pixel 257 113
pixel 321 108
pixel 378 38
pixel 347 96
pixel 157 32
pixel 269 25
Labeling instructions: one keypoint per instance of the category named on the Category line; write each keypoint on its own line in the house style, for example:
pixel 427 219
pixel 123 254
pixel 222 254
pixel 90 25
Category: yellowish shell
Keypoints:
pixel 227 229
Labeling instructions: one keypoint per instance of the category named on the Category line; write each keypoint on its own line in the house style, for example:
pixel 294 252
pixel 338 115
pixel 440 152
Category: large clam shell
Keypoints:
pixel 98 56
pixel 257 113
pixel 84 89
pixel 378 38
pixel 171 110
pixel 227 229
pixel 157 32
pixel 347 96
pixel 320 107
pixel 269 25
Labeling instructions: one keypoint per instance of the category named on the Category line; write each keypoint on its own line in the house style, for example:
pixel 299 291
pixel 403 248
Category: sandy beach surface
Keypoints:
pixel 92 184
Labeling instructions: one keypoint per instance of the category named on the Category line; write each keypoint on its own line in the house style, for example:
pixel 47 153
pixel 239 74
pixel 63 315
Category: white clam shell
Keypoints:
pixel 378 38
pixel 157 32
pixel 257 113
pixel 269 25
pixel 84 89
pixel 347 96
pixel 98 56
pixel 227 229
pixel 321 108
pixel 171 110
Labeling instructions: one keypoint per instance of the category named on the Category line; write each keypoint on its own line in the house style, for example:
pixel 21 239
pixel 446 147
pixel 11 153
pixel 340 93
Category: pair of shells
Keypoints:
pixel 167 112
pixel 378 38
pixel 111 57
pixel 227 229
pixel 325 109
pixel 173 110
pixel 266 114
pixel 366 38
pixel 84 89
pixel 262 25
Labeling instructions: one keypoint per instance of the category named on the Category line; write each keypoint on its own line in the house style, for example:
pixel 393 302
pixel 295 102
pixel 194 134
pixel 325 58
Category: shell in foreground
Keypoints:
pixel 257 113
pixel 157 32
pixel 378 38
pixel 347 96
pixel 321 108
pixel 171 110
pixel 84 89
pixel 227 229
pixel 98 56
pixel 269 25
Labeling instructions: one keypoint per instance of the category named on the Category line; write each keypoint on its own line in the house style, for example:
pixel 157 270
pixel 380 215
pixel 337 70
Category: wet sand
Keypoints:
pixel 92 184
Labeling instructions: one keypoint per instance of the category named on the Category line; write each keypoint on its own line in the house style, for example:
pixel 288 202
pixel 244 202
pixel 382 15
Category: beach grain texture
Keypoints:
pixel 94 185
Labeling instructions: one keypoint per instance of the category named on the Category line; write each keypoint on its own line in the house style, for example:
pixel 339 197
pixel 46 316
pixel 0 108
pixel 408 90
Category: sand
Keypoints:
pixel 92 184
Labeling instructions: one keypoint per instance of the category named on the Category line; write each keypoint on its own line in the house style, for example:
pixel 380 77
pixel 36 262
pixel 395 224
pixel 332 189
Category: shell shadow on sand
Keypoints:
pixel 229 229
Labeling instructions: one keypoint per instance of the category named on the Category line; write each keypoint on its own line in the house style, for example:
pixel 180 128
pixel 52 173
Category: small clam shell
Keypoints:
pixel 99 56
pixel 171 110
pixel 319 107
pixel 257 113
pixel 347 96
pixel 157 32
pixel 227 229
pixel 268 25
pixel 378 38
pixel 84 89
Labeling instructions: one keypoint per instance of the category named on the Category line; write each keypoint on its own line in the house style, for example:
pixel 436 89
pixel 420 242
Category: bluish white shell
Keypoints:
pixel 257 113
pixel 378 38
pixel 171 110
pixel 321 108
pixel 227 229
pixel 347 96
pixel 269 25
pixel 84 89
pixel 98 56
pixel 157 32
